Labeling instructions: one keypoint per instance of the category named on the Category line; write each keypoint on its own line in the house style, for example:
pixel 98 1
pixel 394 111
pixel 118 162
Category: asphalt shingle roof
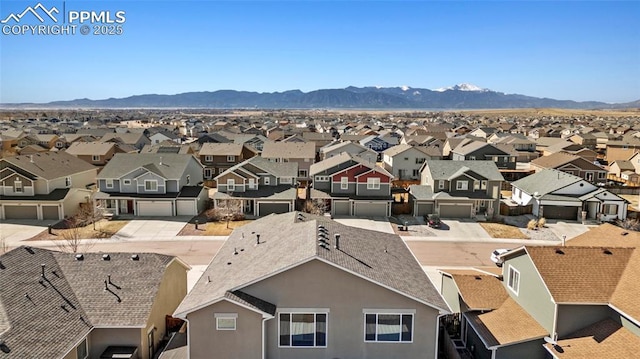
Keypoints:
pixel 289 150
pixel 172 167
pixel 545 181
pixel 443 169
pixel 50 165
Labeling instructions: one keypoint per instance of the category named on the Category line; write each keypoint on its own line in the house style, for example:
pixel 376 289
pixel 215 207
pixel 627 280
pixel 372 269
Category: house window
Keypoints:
pixel 108 183
pixel 388 327
pixel 303 329
pixel 17 186
pixel 188 179
pixel 610 209
pixel 126 182
pixel 95 158
pixel 67 181
pixel 416 173
pixel 208 158
pixel 286 180
pixel 601 175
pixel 344 183
pixel 440 184
pixel 226 321
pixel 514 280
pixel 420 160
pixel 252 183
pixel 406 158
pixel 267 180
pixel 207 173
pixel 462 185
pixel 231 158
pixel 476 185
pixel 483 184
pixel 231 184
pixel 150 185
pixel 302 173
pixel 472 158
pixel 373 183
pixel 322 178
pixel 82 351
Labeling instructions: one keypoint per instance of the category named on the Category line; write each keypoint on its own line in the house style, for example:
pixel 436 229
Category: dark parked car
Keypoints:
pixel 433 220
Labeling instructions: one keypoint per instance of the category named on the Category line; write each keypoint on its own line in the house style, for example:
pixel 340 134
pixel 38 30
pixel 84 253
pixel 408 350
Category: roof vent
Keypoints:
pixel 43 266
pixel 2 265
pixel 235 251
pixel 478 277
pixel 624 233
pixel 607 252
pixel 559 251
pixel 79 256
pixel 257 238
pixel 337 235
pixel 106 257
pixel 135 257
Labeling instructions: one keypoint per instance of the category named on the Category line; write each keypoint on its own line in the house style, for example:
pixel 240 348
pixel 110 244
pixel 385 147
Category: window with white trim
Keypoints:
pixel 126 182
pixel 440 184
pixel 514 280
pixel 95 158
pixel 67 181
pixel 388 327
pixel 231 158
pixel 303 173
pixel 82 350
pixel 462 185
pixel 252 183
pixel 267 180
pixel 150 185
pixel 226 321
pixel 601 175
pixel 108 183
pixel 483 184
pixel 344 183
pixel 287 180
pixel 420 160
pixel 610 209
pixel 373 183
pixel 207 173
pixel 17 186
pixel 303 329
pixel 208 158
pixel 231 184
pixel 476 185
pixel 322 178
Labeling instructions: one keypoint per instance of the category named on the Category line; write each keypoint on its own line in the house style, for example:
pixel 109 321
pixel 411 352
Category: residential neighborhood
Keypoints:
pixel 319 234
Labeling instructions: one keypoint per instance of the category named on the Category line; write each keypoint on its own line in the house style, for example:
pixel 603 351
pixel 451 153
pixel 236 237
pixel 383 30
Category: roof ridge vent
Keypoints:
pixel 106 257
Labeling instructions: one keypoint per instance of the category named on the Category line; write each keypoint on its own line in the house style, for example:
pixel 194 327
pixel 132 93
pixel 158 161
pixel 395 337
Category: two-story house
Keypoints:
pixel 219 157
pixel 296 285
pixel 354 148
pixel 457 189
pixel 135 139
pixel 559 195
pixel 574 301
pixel 152 184
pixel 352 186
pixel 376 143
pixel 95 153
pixel 404 161
pixel 301 153
pixel 86 305
pixel 44 186
pixel 258 186
pixel 471 150
pixel 571 164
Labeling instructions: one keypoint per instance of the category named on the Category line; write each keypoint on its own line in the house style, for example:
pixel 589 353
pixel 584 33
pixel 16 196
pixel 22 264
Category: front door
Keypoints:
pixel 129 206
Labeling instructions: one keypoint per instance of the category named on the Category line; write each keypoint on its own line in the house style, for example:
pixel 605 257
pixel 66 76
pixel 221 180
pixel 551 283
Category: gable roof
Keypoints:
pixel 172 167
pixel 289 150
pixel 221 149
pixel 479 290
pixel 50 165
pixel 469 146
pixel 559 159
pixel 277 169
pixel 89 148
pixel 335 161
pixel 545 181
pixel 71 292
pixel 444 169
pixel 291 239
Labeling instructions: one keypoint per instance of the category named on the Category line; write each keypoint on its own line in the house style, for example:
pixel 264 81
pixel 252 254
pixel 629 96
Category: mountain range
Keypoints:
pixel 461 96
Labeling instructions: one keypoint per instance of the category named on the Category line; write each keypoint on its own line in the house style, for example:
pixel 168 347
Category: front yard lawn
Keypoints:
pixel 212 228
pixel 103 229
pixel 499 230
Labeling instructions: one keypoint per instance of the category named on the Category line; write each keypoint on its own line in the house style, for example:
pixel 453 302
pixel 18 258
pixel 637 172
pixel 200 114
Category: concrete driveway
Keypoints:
pixel 450 230
pixel 569 229
pixel 373 223
pixel 12 233
pixel 141 229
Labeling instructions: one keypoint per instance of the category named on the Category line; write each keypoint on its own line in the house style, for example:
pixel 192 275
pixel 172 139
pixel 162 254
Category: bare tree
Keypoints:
pixel 630 224
pixel 231 209
pixel 73 236
pixel 315 206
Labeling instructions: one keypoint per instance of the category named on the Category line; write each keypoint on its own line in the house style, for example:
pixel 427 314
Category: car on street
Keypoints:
pixel 495 256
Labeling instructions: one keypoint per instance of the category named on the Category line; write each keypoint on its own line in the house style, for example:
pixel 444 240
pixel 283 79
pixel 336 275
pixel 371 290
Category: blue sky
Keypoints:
pixel 578 50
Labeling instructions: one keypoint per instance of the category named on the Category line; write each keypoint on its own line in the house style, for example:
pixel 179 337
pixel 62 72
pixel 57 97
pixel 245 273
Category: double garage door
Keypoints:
pixel 265 209
pixel 155 208
pixel 31 212
pixel 366 209
pixel 455 211
pixel 560 212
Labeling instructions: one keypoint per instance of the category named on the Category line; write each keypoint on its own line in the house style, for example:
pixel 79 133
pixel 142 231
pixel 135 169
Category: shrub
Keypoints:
pixel 532 225
pixel 237 217
pixel 542 222
pixel 214 215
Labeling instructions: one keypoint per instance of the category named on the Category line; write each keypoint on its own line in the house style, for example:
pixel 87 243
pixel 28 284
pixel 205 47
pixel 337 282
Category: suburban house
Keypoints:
pixel 352 186
pixel 622 149
pixel 296 285
pixel 625 170
pixel 301 153
pixel 86 305
pixel 576 301
pixel 457 189
pixel 152 184
pixel 375 143
pixel 219 157
pixel 404 161
pixel 135 139
pixel 95 153
pixel 354 148
pixel 162 136
pixel 524 147
pixel 44 186
pixel 47 141
pixel 258 186
pixel 471 150
pixel 556 194
pixel 571 164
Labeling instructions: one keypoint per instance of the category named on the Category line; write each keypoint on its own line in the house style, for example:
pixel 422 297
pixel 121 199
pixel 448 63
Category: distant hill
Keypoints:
pixel 462 96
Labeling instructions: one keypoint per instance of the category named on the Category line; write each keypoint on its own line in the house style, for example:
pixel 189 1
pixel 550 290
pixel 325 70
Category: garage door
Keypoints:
pixel 20 212
pixel 455 211
pixel 185 208
pixel 341 208
pixel 154 208
pixel 424 208
pixel 560 212
pixel 370 209
pixel 265 209
pixel 50 212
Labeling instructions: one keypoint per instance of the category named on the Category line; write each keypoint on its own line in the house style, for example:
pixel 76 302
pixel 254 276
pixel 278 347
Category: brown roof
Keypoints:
pixel 607 235
pixel 580 274
pixel 289 150
pixel 50 165
pixel 90 148
pixel 221 149
pixel 507 324
pixel 604 339
pixel 480 291
pixel 561 158
pixel 625 297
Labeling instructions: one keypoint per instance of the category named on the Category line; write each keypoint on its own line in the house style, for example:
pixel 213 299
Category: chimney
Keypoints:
pixel 337 241
pixel 43 266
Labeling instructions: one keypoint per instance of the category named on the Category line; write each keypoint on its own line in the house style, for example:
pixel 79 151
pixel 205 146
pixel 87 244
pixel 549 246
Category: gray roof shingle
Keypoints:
pixel 172 167
pixel 50 165
pixel 444 169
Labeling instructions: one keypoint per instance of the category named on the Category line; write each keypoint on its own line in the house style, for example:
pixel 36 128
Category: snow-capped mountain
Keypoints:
pixel 462 87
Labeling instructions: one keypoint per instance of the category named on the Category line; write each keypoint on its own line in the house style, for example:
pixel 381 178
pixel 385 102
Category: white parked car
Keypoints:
pixel 495 254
